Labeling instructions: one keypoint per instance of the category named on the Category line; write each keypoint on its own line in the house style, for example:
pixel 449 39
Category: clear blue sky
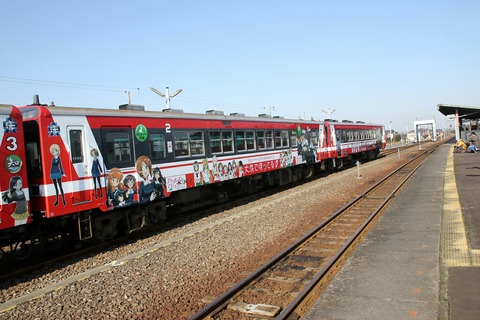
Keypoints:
pixel 377 61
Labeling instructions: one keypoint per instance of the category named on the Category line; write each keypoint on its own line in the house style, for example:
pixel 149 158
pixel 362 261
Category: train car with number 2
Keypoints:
pixel 100 173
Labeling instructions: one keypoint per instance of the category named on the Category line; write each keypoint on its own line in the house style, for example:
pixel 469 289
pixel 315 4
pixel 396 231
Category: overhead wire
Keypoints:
pixel 109 88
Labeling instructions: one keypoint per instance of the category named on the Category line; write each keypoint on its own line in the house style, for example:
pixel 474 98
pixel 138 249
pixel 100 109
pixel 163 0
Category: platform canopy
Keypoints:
pixel 463 111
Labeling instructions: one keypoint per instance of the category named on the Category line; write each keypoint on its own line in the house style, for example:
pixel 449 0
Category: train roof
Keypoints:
pixel 32 111
pixel 129 110
pixel 350 123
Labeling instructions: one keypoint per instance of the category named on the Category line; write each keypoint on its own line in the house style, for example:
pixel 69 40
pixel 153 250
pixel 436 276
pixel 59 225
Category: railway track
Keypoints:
pixel 59 251
pixel 393 150
pixel 65 254
pixel 286 286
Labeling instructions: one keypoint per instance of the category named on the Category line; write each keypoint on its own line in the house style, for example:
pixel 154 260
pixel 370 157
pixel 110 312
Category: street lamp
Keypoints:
pixel 166 95
pixel 329 112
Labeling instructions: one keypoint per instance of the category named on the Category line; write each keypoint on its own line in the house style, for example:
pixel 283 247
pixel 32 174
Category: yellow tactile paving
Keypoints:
pixel 455 247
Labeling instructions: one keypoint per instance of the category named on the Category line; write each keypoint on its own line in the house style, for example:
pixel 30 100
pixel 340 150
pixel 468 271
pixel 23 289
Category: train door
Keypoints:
pixel 80 179
pixel 335 140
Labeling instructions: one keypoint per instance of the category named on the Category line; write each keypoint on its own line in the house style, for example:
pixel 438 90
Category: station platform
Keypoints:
pixel 422 259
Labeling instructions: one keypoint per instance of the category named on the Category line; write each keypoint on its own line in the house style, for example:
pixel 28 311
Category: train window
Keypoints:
pixel 227 141
pixel 118 145
pixel 221 142
pixel 188 143
pixel 240 141
pixel 281 139
pixel 265 139
pixel 294 138
pixel 76 146
pixel 269 139
pixel 261 140
pixel 158 149
pixel 250 138
pixel 180 139
pixel 314 137
pixel 245 140
pixel 350 136
pixel 339 135
pixel 215 142
pixel 196 143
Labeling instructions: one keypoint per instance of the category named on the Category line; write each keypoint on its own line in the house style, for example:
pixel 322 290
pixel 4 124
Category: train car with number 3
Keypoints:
pixel 99 173
pixel 15 210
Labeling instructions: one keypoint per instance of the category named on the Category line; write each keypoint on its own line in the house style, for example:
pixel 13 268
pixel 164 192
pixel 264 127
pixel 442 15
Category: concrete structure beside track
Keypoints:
pixel 422 259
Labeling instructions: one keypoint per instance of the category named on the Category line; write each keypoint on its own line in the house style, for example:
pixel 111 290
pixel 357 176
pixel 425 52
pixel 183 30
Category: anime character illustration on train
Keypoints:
pixel 96 173
pixel 56 173
pixel 197 175
pixel 206 173
pixel 158 183
pixel 240 169
pixel 16 194
pixel 146 190
pixel 216 171
pixel 130 184
pixel 115 184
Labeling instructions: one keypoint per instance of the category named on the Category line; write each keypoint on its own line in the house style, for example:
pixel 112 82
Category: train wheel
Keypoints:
pixel 222 196
pixel 103 229
pixel 330 165
pixel 323 166
pixel 339 163
pixel 17 250
pixel 156 212
pixel 308 171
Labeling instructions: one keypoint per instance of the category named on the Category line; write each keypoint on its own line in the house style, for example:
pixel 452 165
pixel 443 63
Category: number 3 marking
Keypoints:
pixel 13 144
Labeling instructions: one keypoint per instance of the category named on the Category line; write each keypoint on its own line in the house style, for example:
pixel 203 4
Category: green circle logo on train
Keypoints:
pixel 13 163
pixel 141 133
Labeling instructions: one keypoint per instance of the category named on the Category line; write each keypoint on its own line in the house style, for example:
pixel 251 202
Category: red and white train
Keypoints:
pixel 96 173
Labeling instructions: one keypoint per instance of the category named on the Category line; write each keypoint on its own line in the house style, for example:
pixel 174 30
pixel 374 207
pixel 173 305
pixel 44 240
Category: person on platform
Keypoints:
pixel 474 142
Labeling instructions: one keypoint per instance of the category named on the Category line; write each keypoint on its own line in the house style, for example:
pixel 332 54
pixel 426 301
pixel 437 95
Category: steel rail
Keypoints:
pixel 222 301
pixel 289 310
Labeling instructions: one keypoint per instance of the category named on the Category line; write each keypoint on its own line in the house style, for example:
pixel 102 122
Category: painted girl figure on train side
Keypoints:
pixel 146 189
pixel 56 173
pixel 159 182
pixel 16 194
pixel 96 172
pixel 114 184
pixel 130 188
pixel 207 176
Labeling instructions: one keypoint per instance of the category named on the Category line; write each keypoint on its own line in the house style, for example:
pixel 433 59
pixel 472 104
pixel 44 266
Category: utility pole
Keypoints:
pixel 270 108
